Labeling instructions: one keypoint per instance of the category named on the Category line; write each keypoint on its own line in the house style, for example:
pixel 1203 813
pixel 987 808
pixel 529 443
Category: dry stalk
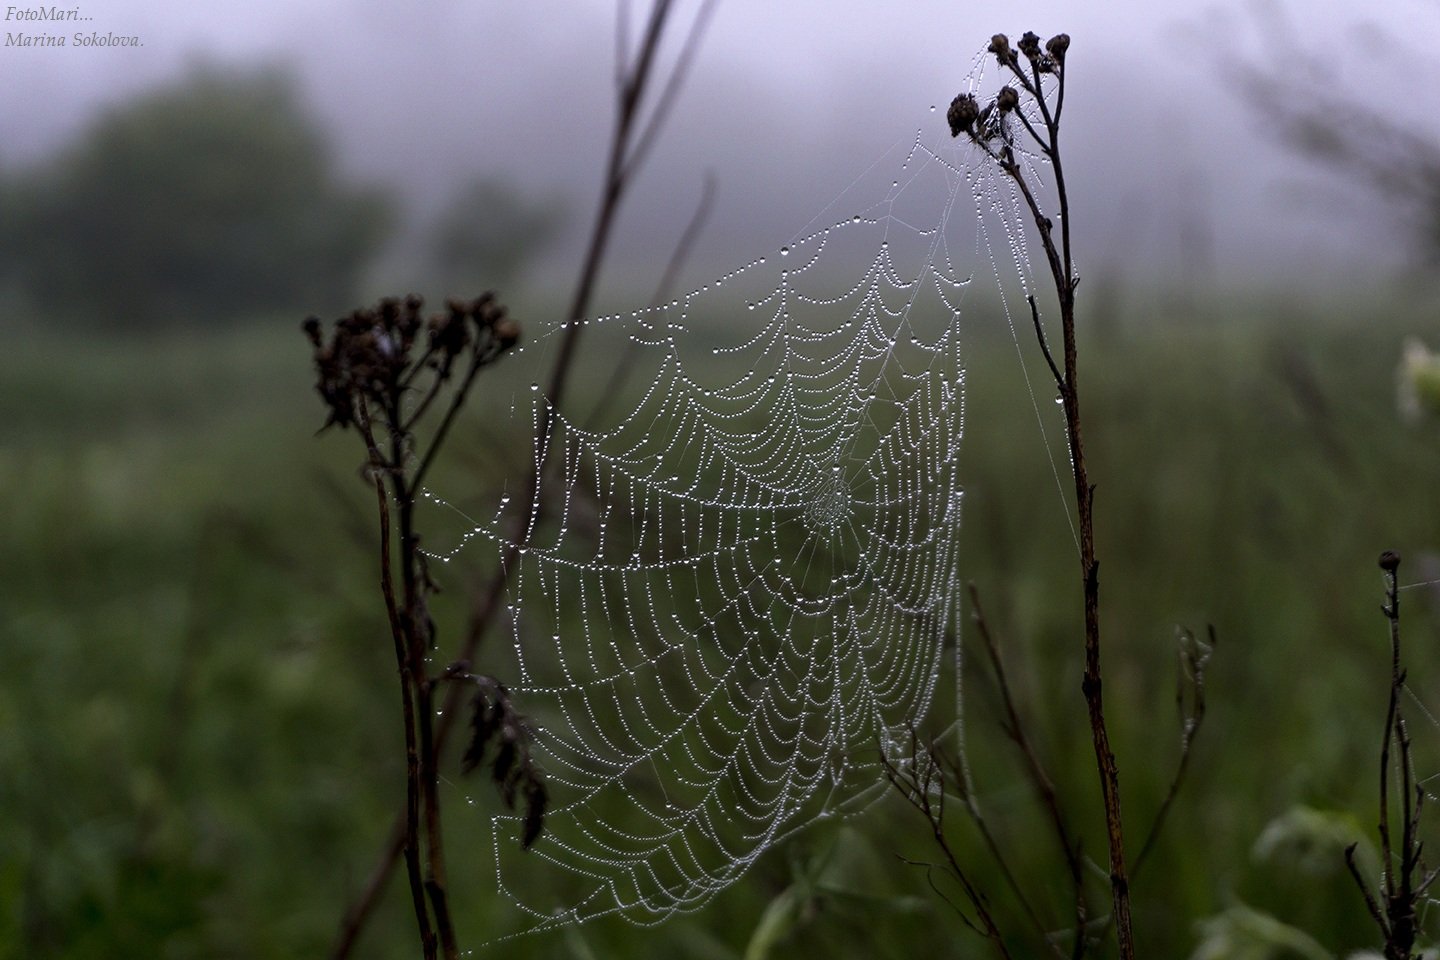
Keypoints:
pixel 1404 880
pixel 380 372
pixel 1026 111
pixel 921 781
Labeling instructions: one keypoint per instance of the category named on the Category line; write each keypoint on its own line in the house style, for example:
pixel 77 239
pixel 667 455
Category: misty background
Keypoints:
pixel 1178 180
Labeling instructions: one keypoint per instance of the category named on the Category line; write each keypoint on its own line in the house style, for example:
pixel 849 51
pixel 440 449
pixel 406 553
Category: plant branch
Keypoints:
pixel 983 128
pixel 366 372
pixel 420 634
pixel 666 101
pixel 1370 903
pixel 1194 658
pixel 1044 343
pixel 1040 780
pixel 937 757
pixel 619 173
pixel 922 784
pixel 378 469
pixel 935 888
pixel 622 370
pixel 457 400
pixel 1397 917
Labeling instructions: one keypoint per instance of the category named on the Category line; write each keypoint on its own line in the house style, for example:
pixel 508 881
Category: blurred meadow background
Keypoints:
pixel 198 749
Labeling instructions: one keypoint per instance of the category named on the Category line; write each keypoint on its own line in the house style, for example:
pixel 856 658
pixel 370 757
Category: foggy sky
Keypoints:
pixel 786 104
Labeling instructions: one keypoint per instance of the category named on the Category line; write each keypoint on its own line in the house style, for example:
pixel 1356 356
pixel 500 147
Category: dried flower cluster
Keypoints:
pixel 369 356
pixel 990 122
pixel 380 372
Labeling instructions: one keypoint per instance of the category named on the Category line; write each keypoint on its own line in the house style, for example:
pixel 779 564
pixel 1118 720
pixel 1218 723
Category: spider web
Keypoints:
pixel 739 588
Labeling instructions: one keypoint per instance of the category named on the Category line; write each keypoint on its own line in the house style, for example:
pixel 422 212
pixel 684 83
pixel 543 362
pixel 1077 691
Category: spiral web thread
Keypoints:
pixel 735 594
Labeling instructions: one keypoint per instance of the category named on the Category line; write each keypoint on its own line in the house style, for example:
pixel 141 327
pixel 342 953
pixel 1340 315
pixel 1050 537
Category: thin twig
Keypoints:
pixel 1040 781
pixel 1370 904
pixel 1192 677
pixel 411 836
pixel 935 887
pixel 1011 881
pixel 1397 918
pixel 457 400
pixel 1062 272
pixel 1400 910
pixel 666 101
pixel 418 634
pixel 1044 343
pixel 622 370
pixel 937 757
pixel 619 174
pixel 924 789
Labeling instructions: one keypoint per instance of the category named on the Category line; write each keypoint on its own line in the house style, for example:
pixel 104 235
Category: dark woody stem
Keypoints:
pixel 374 365
pixel 989 131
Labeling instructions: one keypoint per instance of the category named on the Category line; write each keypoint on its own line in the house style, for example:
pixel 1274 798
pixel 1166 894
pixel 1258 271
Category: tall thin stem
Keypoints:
pixel 366 372
pixel 1040 781
pixel 405 671
pixel 993 131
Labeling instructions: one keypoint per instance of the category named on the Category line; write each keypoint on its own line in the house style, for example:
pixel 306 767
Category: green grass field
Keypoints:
pixel 199 754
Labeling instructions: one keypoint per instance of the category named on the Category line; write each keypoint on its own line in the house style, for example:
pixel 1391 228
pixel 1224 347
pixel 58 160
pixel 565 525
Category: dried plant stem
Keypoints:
pixel 993 130
pixel 1194 658
pixel 625 367
pixel 1040 781
pixel 421 779
pixel 429 767
pixel 993 846
pixel 1062 271
pixel 922 784
pixel 1403 880
pixel 1091 685
pixel 367 373
pixel 403 671
pixel 628 145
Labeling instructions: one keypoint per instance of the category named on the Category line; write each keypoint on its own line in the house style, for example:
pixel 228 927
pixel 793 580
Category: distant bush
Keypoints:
pixel 211 200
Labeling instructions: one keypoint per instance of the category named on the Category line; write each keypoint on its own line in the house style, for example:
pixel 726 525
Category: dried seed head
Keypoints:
pixel 389 310
pixel 507 332
pixel 1030 45
pixel 1057 45
pixel 1000 46
pixel 962 114
pixel 1007 99
pixel 1389 561
pixel 371 356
